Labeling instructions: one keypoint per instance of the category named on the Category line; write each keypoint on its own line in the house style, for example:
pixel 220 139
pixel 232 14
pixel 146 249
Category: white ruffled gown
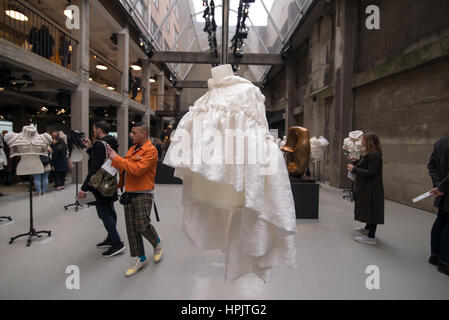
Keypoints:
pixel 262 233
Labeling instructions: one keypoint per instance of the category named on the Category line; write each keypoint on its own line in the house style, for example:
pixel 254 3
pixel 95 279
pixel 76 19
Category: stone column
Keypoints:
pixel 146 94
pixel 290 74
pixel 160 91
pixel 80 96
pixel 123 110
pixel 346 20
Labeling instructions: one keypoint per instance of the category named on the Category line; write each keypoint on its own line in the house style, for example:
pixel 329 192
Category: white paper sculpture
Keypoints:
pixel 318 145
pixel 353 144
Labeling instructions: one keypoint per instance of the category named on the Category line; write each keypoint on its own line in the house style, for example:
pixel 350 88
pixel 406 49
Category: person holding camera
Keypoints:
pixel 138 171
pixel 104 205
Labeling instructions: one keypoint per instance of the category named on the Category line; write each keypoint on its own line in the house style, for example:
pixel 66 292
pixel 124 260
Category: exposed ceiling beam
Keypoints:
pixel 199 84
pixel 260 59
pixel 9 97
pixel 208 58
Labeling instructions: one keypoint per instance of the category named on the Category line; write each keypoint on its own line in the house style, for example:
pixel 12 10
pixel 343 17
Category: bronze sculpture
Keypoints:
pixel 297 150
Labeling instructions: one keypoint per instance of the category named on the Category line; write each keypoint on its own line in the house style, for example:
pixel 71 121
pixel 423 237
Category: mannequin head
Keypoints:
pixel 220 72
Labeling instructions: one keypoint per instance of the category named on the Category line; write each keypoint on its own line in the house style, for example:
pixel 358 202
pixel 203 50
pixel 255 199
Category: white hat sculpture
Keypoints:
pixel 353 144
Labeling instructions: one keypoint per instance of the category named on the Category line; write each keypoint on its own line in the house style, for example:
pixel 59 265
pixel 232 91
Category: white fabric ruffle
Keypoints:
pixel 262 233
pixel 28 136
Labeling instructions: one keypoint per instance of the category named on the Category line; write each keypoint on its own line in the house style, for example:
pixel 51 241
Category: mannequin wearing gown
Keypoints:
pixel 240 208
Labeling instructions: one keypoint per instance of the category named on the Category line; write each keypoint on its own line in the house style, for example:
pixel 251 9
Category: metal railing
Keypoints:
pixel 169 102
pixel 26 27
pixel 137 93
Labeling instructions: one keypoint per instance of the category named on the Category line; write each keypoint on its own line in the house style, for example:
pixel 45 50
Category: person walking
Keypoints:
pixel 59 162
pixel 104 205
pixel 138 171
pixel 439 172
pixel 368 188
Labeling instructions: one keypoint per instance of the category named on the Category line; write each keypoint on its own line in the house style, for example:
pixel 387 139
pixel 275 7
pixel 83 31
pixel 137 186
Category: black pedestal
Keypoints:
pixel 306 194
pixel 164 174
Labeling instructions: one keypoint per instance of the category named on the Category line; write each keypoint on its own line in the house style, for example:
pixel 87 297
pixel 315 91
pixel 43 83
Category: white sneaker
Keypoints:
pixel 366 240
pixel 158 252
pixel 362 231
pixel 135 267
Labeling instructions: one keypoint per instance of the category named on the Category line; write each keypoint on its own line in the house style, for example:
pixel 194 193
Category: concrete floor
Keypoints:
pixel 331 265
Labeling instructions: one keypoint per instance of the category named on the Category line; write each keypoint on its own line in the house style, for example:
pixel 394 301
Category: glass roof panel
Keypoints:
pixel 270 23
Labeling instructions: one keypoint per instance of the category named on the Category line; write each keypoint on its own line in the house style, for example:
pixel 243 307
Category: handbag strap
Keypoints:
pixel 105 144
pixel 155 211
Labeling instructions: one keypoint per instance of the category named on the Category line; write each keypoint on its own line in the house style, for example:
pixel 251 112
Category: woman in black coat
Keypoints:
pixel 59 162
pixel 369 189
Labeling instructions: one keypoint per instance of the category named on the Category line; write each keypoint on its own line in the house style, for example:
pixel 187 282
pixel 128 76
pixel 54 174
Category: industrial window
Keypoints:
pixel 153 26
pixel 175 32
pixel 167 23
pixel 142 9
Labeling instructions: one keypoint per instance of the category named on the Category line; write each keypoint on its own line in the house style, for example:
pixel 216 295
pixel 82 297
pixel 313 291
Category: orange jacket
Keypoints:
pixel 140 166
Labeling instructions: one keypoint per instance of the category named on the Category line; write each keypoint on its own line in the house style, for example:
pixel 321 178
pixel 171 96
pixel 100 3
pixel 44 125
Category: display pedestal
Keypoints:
pixel 165 174
pixel 306 194
pixel 77 204
pixel 32 233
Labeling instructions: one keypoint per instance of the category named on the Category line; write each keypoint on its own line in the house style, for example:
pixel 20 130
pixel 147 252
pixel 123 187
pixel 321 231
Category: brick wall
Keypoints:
pixel 405 25
pixel 410 112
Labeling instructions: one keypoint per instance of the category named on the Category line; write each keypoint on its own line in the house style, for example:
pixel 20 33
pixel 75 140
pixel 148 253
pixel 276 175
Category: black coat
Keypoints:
pixel 369 190
pixel 97 156
pixel 439 171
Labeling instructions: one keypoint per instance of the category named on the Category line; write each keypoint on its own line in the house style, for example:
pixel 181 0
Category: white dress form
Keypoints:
pixel 29 164
pixel 77 155
pixel 29 145
pixel 219 195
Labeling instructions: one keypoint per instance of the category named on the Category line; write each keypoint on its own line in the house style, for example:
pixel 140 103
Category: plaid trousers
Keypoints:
pixel 138 224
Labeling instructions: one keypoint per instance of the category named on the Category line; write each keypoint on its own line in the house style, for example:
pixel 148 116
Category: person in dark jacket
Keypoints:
pixel 368 188
pixel 64 50
pixel 59 162
pixel 104 205
pixel 42 41
pixel 439 172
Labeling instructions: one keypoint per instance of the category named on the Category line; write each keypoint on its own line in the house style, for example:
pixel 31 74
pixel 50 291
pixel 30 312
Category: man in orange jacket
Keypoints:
pixel 137 173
